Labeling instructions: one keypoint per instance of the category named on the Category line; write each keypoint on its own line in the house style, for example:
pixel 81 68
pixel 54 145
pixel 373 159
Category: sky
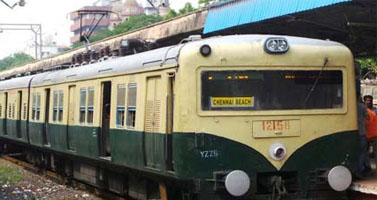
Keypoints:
pixel 53 15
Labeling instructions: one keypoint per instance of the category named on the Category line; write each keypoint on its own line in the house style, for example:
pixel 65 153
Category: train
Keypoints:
pixel 225 117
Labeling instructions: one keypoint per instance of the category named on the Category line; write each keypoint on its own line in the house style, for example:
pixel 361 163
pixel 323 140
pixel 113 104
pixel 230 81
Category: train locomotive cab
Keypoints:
pixel 260 116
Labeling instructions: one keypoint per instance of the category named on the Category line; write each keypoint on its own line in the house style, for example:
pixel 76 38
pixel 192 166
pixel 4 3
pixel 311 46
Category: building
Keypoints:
pixel 116 15
pixel 131 8
pixel 89 19
pixel 118 12
pixel 52 49
pixel 159 7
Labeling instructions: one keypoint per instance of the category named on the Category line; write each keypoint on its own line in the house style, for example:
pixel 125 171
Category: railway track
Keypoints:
pixel 60 179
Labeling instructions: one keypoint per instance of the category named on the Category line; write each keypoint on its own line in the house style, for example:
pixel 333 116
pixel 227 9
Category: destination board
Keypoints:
pixel 232 102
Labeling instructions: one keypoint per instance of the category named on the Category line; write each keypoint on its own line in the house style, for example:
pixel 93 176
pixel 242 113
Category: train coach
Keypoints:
pixel 232 117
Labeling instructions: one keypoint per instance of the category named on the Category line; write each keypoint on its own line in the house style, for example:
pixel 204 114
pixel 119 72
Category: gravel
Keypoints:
pixel 32 186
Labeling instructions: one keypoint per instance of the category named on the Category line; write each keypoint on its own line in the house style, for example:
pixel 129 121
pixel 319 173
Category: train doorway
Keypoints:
pixel 19 114
pixel 5 114
pixel 105 129
pixel 71 118
pixel 47 116
pixel 153 148
pixel 170 122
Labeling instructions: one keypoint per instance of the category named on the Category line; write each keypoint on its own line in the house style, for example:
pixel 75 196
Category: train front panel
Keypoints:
pixel 257 123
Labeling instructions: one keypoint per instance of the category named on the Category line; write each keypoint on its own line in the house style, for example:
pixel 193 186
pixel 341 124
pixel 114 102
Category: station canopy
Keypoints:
pixel 351 22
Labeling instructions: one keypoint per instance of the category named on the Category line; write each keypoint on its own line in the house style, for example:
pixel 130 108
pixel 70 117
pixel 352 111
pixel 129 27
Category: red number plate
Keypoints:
pixel 275 125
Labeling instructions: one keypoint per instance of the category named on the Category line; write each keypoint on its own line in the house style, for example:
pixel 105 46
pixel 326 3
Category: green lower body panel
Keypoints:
pixel 201 156
pixel 87 141
pixel 36 133
pixel 57 136
pixel 3 127
pixel 14 129
pixel 127 148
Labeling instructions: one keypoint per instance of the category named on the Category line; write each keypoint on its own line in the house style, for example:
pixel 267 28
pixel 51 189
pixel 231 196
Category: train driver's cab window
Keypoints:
pixel 90 106
pixel 271 90
pixel 131 105
pixel 82 105
pixel 121 98
pixel 36 106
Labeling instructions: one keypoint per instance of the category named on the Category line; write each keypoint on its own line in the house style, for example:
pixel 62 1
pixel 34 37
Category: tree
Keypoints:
pixel 368 66
pixel 171 14
pixel 134 22
pixel 14 60
pixel 205 3
pixel 186 9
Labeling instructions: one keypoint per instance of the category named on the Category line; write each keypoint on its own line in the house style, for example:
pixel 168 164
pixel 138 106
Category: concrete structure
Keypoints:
pixel 87 20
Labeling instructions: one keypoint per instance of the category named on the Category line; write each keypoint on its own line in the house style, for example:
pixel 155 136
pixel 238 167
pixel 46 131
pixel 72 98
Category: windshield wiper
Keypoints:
pixel 326 61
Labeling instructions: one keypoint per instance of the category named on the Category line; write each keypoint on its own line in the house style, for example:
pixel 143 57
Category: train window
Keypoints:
pixel 90 108
pixel 10 111
pixel 13 110
pixel 1 110
pixel 34 106
pixel 38 110
pixel 271 90
pixel 61 105
pixel 25 107
pixel 55 106
pixel 121 98
pixel 82 105
pixel 131 105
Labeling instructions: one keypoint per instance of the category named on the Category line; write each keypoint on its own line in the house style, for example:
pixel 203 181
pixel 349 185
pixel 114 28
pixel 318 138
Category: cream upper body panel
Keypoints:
pixel 247 53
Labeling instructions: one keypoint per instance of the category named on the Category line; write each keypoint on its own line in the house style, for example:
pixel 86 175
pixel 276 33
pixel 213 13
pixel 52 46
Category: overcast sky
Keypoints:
pixel 53 15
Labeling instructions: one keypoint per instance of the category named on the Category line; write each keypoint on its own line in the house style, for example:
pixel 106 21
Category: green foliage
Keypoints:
pixel 133 23
pixel 368 65
pixel 9 175
pixel 205 3
pixel 136 22
pixel 186 9
pixel 171 14
pixel 14 60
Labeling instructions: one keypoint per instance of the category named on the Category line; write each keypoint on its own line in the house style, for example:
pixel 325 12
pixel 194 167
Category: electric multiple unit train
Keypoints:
pixel 231 117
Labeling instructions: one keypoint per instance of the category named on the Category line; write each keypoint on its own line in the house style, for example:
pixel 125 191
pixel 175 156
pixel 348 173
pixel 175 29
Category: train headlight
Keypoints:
pixel 205 50
pixel 278 151
pixel 237 183
pixel 276 45
pixel 339 178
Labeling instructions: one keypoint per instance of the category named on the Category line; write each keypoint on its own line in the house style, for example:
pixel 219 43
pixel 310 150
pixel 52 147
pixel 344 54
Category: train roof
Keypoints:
pixel 167 56
pixel 20 82
pixel 159 57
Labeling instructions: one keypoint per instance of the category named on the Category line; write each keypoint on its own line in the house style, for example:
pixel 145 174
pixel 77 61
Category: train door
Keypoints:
pixel 105 129
pixel 47 114
pixel 152 148
pixel 71 118
pixel 170 121
pixel 5 114
pixel 19 114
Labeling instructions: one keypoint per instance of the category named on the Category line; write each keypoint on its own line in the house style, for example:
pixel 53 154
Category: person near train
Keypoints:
pixel 364 166
pixel 371 125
